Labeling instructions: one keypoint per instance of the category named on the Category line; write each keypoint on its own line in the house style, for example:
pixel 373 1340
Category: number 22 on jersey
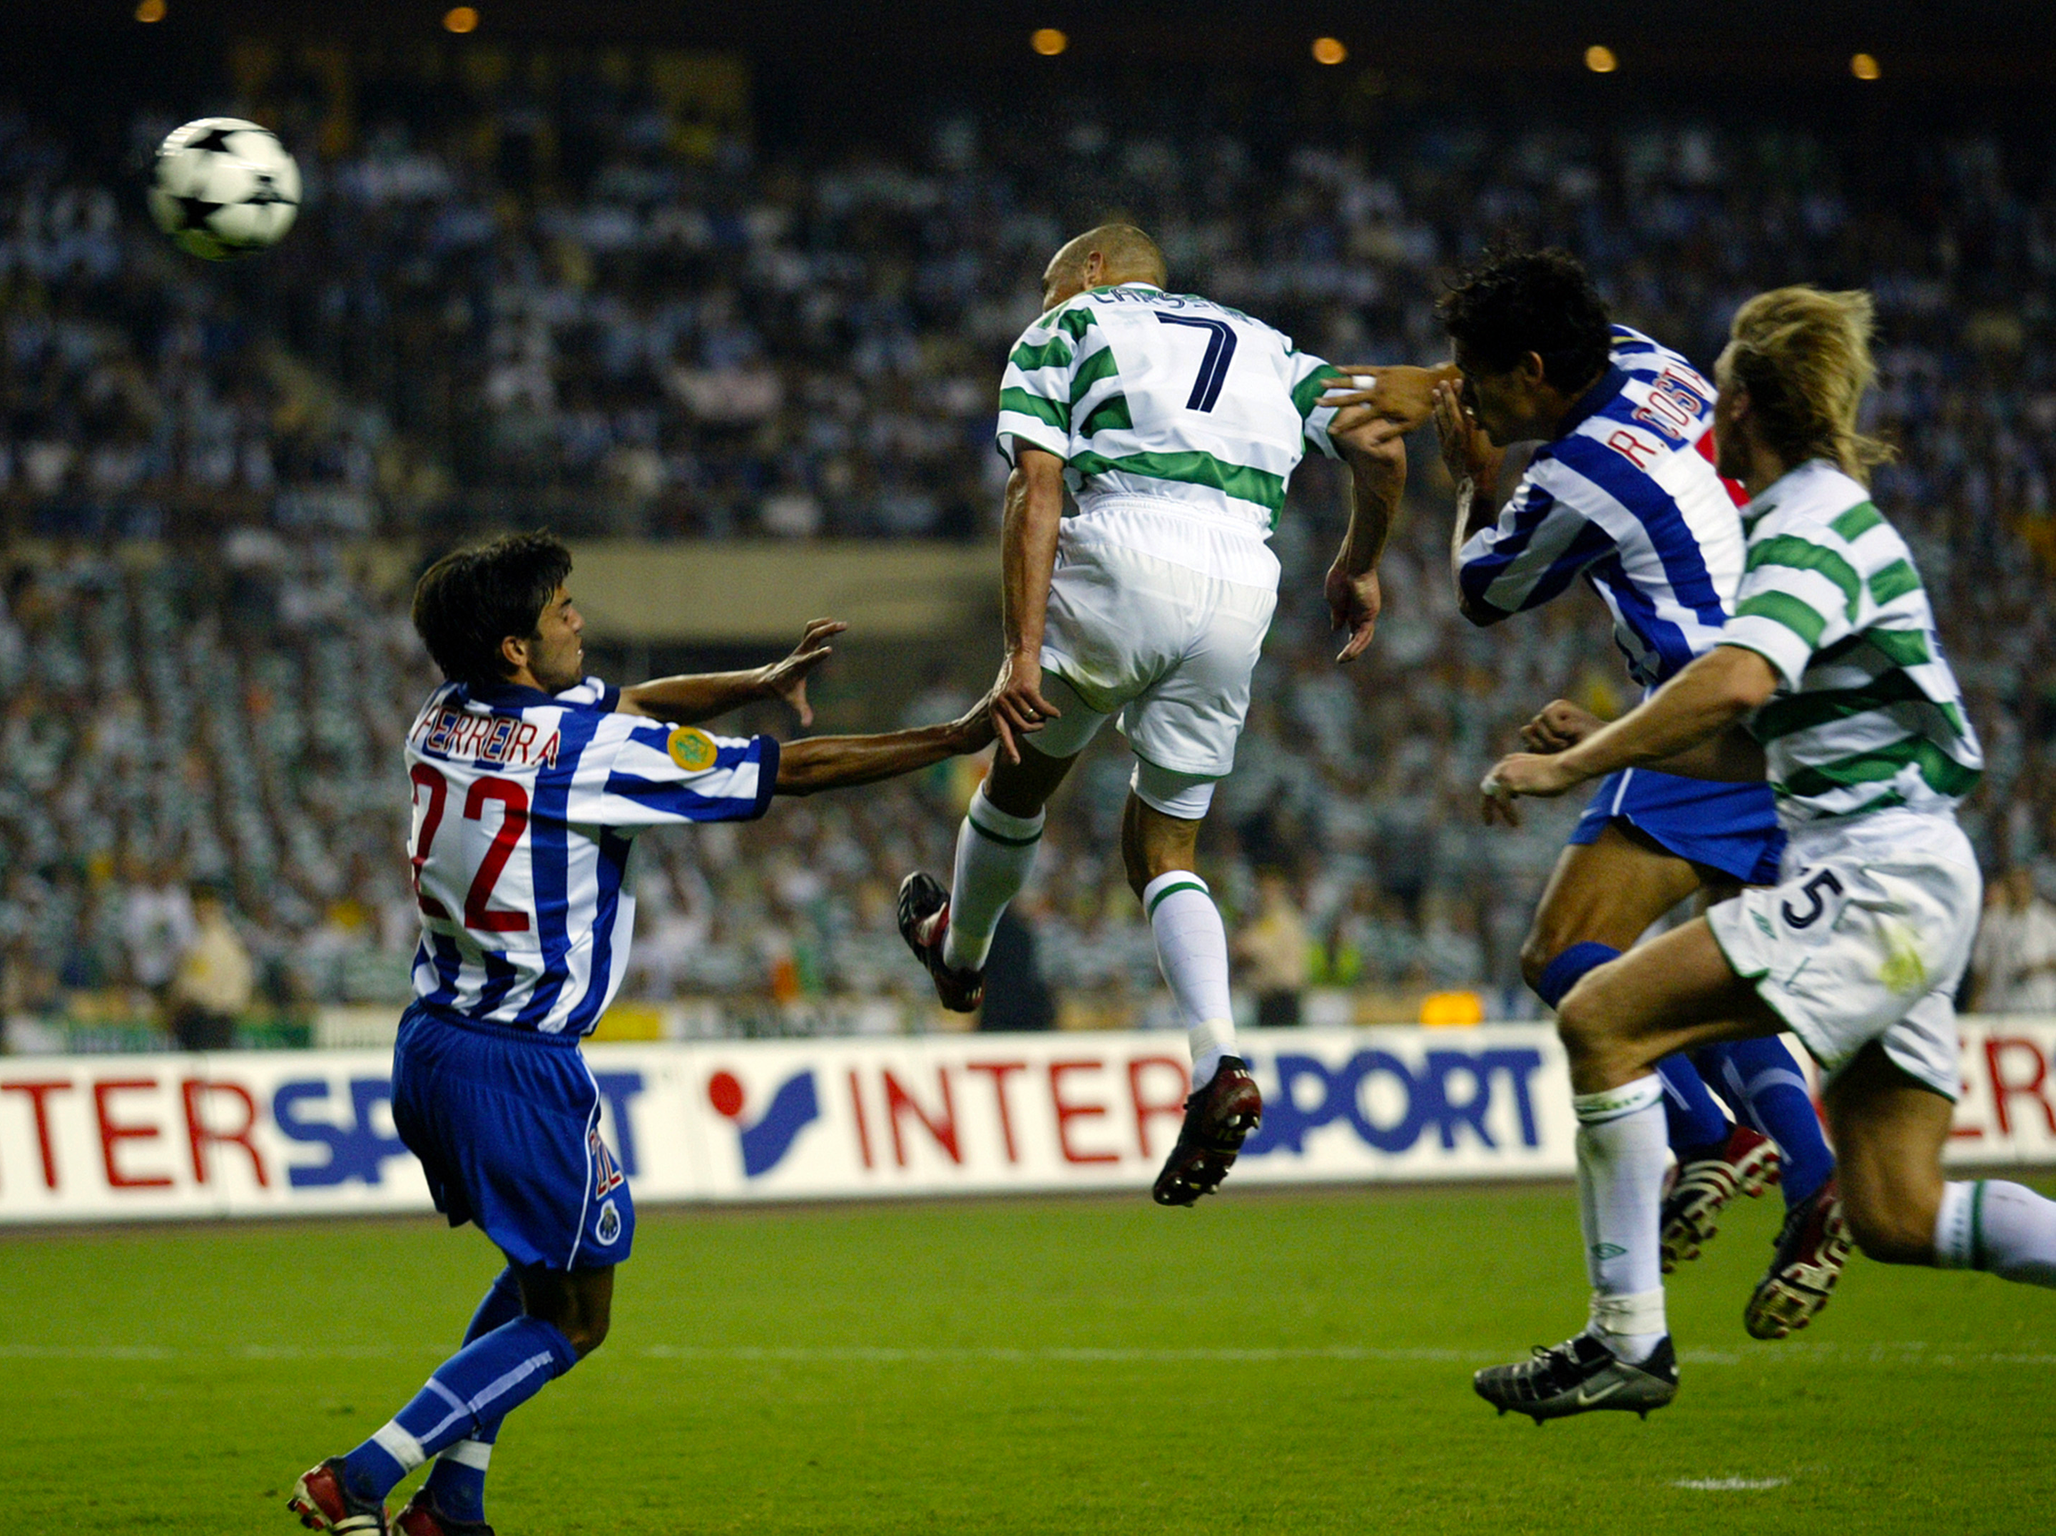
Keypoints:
pixel 480 916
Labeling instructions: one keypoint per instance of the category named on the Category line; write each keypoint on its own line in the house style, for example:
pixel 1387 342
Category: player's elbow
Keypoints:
pixel 1744 681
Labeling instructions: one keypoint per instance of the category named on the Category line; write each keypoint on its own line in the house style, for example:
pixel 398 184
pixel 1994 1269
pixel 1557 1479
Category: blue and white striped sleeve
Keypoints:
pixel 1536 548
pixel 646 773
pixel 597 692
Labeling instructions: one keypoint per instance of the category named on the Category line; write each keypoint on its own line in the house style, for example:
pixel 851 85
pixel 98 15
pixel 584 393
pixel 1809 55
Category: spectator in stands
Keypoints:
pixel 157 926
pixel 1272 952
pixel 2013 968
pixel 1016 995
pixel 215 978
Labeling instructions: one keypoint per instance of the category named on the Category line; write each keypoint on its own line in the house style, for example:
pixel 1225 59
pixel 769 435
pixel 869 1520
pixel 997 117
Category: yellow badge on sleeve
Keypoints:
pixel 693 749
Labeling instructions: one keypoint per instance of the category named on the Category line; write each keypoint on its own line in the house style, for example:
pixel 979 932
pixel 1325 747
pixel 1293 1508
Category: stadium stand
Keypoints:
pixel 577 305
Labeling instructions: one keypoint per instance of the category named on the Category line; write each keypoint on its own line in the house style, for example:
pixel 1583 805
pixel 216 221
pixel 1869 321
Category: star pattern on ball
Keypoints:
pixel 196 209
pixel 215 139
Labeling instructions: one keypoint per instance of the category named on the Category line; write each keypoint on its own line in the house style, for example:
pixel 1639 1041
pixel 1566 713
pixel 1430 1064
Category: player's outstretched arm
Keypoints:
pixel 691 698
pixel 1688 723
pixel 1401 395
pixel 839 762
pixel 1028 553
pixel 1377 476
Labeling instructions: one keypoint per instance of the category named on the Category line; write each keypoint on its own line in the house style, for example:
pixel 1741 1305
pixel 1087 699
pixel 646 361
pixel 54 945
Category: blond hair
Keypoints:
pixel 1804 356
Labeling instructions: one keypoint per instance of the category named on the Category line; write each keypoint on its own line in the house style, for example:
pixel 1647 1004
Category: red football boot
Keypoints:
pixel 324 1504
pixel 923 923
pixel 1218 1118
pixel 422 1518
pixel 1812 1248
pixel 1748 1164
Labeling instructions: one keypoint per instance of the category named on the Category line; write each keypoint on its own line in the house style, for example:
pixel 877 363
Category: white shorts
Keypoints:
pixel 1169 647
pixel 1866 938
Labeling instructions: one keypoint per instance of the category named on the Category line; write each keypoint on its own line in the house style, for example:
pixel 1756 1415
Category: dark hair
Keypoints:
pixel 472 599
pixel 1538 301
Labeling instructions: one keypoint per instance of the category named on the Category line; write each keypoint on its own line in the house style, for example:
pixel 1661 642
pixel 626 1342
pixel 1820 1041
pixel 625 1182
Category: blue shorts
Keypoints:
pixel 507 1127
pixel 1730 827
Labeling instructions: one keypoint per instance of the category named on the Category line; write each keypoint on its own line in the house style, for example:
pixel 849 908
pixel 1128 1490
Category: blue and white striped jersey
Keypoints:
pixel 1626 496
pixel 526 806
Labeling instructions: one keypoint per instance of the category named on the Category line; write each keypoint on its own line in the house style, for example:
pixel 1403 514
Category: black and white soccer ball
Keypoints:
pixel 223 188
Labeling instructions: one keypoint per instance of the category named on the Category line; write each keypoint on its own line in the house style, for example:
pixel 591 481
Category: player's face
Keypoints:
pixel 1497 401
pixel 556 654
pixel 1730 454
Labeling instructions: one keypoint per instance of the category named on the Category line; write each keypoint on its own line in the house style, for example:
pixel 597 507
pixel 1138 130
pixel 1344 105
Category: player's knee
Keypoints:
pixel 1584 1023
pixel 587 1334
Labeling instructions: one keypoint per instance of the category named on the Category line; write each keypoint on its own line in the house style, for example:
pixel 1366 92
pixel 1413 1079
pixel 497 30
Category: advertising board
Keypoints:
pixel 92 1138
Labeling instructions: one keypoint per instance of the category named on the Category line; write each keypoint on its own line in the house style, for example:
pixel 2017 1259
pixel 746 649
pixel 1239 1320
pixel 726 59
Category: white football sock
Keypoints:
pixel 1622 1150
pixel 995 851
pixel 1192 950
pixel 2005 1229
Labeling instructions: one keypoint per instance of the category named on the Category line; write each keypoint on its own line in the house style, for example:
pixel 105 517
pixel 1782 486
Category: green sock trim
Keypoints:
pixel 1005 842
pixel 1977 1225
pixel 1183 885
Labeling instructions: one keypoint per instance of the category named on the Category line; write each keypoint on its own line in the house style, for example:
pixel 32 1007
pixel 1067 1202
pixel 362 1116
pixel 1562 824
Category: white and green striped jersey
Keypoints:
pixel 1869 715
pixel 1167 395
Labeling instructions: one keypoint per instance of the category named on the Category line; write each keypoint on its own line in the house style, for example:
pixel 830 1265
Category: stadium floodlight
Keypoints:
pixel 1864 66
pixel 1601 60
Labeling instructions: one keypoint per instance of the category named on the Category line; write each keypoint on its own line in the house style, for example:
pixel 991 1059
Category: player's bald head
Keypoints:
pixel 1124 254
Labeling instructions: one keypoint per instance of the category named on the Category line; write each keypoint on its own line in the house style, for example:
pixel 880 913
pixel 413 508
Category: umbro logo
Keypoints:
pixel 1608 1251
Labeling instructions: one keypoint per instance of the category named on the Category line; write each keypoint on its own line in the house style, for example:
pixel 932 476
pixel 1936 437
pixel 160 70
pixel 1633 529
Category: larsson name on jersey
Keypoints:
pixel 503 740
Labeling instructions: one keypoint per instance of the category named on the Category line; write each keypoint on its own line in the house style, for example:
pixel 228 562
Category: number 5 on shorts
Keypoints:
pixel 1812 889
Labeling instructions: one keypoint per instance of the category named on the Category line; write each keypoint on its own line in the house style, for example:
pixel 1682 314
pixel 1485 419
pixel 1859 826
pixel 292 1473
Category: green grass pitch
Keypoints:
pixel 1268 1363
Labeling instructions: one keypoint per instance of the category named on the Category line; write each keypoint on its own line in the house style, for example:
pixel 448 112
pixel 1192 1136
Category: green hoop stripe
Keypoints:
pixel 994 837
pixel 1857 521
pixel 1800 555
pixel 1182 885
pixel 1977 1225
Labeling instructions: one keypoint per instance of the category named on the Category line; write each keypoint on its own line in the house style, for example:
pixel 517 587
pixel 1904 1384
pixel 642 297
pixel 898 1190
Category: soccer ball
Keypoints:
pixel 224 188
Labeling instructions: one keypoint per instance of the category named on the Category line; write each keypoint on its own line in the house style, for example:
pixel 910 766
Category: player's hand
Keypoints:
pixel 1401 394
pixel 1560 725
pixel 1018 708
pixel 1353 604
pixel 1523 773
pixel 787 679
pixel 1466 450
pixel 972 731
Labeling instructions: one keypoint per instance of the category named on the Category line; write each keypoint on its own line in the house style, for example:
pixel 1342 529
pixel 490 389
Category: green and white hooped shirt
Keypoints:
pixel 1869 715
pixel 1173 397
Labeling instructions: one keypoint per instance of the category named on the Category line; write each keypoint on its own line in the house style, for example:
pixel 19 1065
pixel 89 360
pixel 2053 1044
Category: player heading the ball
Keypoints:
pixel 531 783
pixel 1176 423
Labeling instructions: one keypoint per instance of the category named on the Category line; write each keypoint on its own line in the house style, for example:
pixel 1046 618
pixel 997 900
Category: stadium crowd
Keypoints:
pixel 509 306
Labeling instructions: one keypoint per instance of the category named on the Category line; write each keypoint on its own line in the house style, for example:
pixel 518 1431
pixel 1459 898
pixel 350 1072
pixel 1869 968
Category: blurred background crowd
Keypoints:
pixel 583 290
